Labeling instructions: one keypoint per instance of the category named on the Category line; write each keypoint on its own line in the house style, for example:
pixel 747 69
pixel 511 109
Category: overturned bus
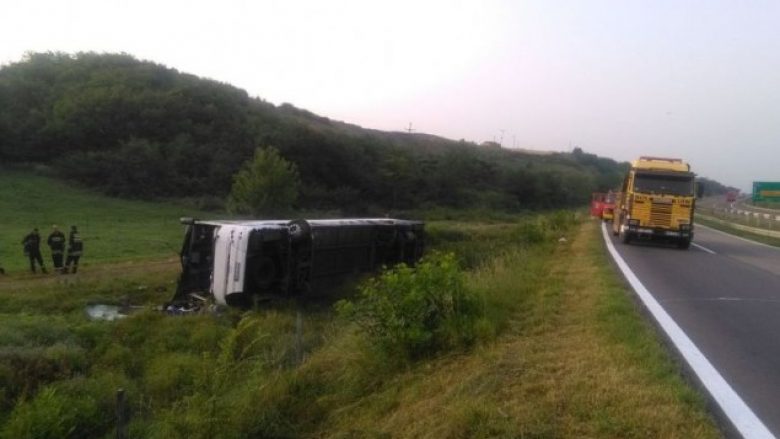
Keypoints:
pixel 237 262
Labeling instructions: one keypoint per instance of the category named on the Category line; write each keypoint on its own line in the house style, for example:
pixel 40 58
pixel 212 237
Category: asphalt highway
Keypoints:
pixel 724 294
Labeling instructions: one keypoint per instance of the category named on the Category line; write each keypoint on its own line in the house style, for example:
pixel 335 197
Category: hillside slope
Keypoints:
pixel 113 229
pixel 138 129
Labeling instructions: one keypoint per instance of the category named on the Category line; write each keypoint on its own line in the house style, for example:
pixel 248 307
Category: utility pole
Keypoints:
pixel 501 140
pixel 409 129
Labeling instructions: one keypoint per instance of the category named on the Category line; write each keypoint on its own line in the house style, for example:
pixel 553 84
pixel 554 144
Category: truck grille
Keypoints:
pixel 661 215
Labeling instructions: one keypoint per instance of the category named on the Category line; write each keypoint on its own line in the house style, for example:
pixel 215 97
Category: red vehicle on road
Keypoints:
pixel 602 205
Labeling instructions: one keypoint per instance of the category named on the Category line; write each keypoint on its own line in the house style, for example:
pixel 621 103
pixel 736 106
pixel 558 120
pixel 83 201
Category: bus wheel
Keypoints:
pixel 684 243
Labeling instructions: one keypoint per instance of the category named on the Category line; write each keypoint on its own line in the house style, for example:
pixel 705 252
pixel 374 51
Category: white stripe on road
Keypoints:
pixel 701 247
pixel 744 420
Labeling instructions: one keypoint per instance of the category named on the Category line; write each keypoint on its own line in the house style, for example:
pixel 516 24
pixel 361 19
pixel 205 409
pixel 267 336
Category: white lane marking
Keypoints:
pixel 701 247
pixel 737 237
pixel 723 299
pixel 744 420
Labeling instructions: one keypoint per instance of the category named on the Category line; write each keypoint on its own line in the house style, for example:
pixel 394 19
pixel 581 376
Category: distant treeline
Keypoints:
pixel 137 129
pixel 712 187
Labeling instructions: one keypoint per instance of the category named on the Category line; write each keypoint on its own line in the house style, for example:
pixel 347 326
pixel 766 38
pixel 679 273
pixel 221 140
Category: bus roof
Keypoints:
pixel 283 223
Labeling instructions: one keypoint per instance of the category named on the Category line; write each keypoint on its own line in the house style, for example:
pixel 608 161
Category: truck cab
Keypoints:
pixel 656 202
pixel 602 205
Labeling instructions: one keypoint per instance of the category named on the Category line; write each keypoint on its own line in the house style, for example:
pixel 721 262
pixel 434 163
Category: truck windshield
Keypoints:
pixel 664 184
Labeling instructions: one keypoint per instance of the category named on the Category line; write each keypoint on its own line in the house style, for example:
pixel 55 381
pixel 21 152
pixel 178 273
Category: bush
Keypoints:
pixel 530 233
pixel 268 183
pixel 560 221
pixel 171 376
pixel 417 311
pixel 51 415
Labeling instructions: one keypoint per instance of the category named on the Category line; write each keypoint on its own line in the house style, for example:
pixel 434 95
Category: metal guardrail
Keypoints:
pixel 743 205
pixel 747 228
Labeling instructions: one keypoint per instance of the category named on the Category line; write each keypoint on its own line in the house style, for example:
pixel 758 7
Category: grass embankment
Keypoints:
pixel 228 375
pixel 576 360
pixel 724 226
pixel 113 230
pixel 556 348
pixel 561 352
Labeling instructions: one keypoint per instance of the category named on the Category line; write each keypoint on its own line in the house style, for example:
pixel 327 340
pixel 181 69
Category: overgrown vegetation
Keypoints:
pixel 412 312
pixel 229 375
pixel 297 369
pixel 141 130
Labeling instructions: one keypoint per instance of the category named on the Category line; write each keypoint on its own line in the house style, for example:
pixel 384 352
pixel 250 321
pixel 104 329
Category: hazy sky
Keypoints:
pixel 692 79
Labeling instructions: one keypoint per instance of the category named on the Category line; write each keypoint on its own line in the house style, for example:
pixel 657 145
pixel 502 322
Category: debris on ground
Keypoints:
pixel 101 311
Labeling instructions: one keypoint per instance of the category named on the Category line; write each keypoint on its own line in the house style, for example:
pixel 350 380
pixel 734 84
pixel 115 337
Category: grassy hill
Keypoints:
pixel 141 130
pixel 114 230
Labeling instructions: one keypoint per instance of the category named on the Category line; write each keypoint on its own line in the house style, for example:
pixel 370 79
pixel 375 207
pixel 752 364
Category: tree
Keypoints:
pixel 266 184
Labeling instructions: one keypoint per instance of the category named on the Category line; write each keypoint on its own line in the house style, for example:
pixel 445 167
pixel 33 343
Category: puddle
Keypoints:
pixel 104 312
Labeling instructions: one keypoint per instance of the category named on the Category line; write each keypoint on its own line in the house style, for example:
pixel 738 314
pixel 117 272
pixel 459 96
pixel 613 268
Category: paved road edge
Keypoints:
pixel 735 409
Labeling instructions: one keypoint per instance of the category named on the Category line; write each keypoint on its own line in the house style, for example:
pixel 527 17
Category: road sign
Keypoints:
pixel 766 191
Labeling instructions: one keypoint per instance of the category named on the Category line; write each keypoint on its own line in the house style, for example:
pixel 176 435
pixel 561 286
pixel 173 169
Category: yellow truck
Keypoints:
pixel 656 202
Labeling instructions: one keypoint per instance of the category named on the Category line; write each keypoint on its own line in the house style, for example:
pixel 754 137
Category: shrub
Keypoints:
pixel 171 376
pixel 416 311
pixel 531 233
pixel 560 221
pixel 51 414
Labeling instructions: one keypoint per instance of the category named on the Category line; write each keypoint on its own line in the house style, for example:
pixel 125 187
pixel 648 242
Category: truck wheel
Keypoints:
pixel 625 235
pixel 616 224
pixel 684 243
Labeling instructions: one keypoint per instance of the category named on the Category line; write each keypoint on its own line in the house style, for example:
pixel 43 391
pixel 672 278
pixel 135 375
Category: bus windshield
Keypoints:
pixel 664 184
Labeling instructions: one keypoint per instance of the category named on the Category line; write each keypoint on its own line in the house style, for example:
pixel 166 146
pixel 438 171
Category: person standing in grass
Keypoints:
pixel 32 249
pixel 56 243
pixel 75 248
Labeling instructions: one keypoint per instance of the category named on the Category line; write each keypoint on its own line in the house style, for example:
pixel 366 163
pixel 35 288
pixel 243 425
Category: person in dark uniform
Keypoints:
pixel 32 248
pixel 2 271
pixel 75 247
pixel 56 243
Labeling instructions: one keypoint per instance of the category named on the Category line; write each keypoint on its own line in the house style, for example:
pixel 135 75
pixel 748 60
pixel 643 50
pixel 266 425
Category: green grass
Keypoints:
pixel 775 205
pixel 113 230
pixel 738 232
pixel 183 375
pixel 550 357
pixel 574 359
pixel 637 342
